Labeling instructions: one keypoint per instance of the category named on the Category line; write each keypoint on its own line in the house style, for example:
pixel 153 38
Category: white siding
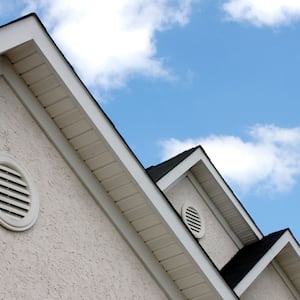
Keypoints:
pixel 73 251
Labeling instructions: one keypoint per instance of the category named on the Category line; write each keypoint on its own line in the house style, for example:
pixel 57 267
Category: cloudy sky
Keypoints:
pixel 172 74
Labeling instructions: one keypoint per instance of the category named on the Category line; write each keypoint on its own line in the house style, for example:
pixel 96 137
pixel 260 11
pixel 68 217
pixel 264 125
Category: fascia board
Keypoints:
pixel 265 261
pixel 175 174
pixel 17 33
pixel 121 150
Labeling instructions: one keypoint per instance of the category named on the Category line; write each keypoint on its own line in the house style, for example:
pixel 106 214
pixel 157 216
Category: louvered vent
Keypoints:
pixel 193 220
pixel 18 210
pixel 14 193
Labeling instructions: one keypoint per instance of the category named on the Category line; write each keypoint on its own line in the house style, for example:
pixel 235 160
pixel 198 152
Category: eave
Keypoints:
pixel 48 87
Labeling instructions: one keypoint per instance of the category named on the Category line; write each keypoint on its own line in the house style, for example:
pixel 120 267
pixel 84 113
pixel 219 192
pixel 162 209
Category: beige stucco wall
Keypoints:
pixel 216 242
pixel 73 251
pixel 268 285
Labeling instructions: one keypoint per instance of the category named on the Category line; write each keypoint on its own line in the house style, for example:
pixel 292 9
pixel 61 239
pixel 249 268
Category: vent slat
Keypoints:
pixel 14 195
pixel 193 220
pixel 11 210
pixel 13 202
pixel 14 187
pixel 7 176
pixel 9 170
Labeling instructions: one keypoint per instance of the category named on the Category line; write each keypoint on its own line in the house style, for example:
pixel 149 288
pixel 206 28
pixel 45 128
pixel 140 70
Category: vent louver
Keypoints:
pixel 18 204
pixel 193 220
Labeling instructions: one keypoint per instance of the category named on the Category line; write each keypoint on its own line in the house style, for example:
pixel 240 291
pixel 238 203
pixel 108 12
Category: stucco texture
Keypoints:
pixel 73 251
pixel 216 242
pixel 268 285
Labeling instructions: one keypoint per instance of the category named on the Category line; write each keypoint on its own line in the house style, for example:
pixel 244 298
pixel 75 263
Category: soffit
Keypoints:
pixel 104 163
pixel 289 260
pixel 225 201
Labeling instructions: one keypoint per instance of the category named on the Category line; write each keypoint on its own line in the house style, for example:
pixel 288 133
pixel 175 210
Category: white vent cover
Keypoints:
pixel 193 220
pixel 18 198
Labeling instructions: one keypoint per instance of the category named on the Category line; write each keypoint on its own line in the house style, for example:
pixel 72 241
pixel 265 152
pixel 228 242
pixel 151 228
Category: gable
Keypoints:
pixel 89 143
pixel 73 250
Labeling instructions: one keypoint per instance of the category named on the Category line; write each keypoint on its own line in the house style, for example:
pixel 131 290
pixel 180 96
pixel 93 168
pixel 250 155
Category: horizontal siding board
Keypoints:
pixel 160 242
pixel 168 251
pixel 84 139
pixel 182 271
pixel 21 52
pixel 115 181
pixel 189 281
pixel 108 171
pixel 28 63
pixel 76 129
pixel 53 96
pixel 99 161
pixel 36 74
pixel 123 192
pixel 68 118
pixel 130 202
pixel 175 262
pixel 138 212
pixel 153 232
pixel 200 289
pixel 44 85
pixel 92 150
pixel 146 222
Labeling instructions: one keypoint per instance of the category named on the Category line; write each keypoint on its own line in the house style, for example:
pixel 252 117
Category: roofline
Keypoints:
pixel 104 126
pixel 286 238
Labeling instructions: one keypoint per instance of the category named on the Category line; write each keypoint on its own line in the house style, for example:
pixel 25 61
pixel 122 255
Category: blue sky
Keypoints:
pixel 174 74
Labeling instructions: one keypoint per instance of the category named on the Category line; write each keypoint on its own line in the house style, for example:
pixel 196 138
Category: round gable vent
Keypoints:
pixel 18 199
pixel 193 220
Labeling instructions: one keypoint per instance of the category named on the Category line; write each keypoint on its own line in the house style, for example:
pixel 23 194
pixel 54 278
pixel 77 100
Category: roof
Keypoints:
pixel 52 92
pixel 279 249
pixel 247 257
pixel 160 170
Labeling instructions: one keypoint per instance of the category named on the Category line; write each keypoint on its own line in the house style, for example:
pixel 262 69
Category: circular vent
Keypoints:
pixel 193 220
pixel 18 201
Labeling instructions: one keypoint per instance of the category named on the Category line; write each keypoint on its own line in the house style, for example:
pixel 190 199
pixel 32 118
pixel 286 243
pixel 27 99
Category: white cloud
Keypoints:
pixel 269 159
pixel 109 41
pixel 263 12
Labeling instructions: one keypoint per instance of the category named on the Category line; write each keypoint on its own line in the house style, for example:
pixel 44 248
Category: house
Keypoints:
pixel 82 219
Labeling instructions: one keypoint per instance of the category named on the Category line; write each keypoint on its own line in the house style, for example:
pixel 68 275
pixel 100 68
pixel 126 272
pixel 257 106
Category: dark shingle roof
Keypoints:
pixel 238 267
pixel 160 170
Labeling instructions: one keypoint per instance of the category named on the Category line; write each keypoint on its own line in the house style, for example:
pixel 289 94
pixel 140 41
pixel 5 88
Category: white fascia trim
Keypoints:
pixel 175 174
pixel 120 149
pixel 89 181
pixel 265 261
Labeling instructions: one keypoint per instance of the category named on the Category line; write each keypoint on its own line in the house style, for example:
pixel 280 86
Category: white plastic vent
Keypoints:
pixel 18 201
pixel 193 220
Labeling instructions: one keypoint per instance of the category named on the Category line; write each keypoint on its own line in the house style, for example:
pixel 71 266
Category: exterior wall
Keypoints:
pixel 268 285
pixel 215 241
pixel 73 251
